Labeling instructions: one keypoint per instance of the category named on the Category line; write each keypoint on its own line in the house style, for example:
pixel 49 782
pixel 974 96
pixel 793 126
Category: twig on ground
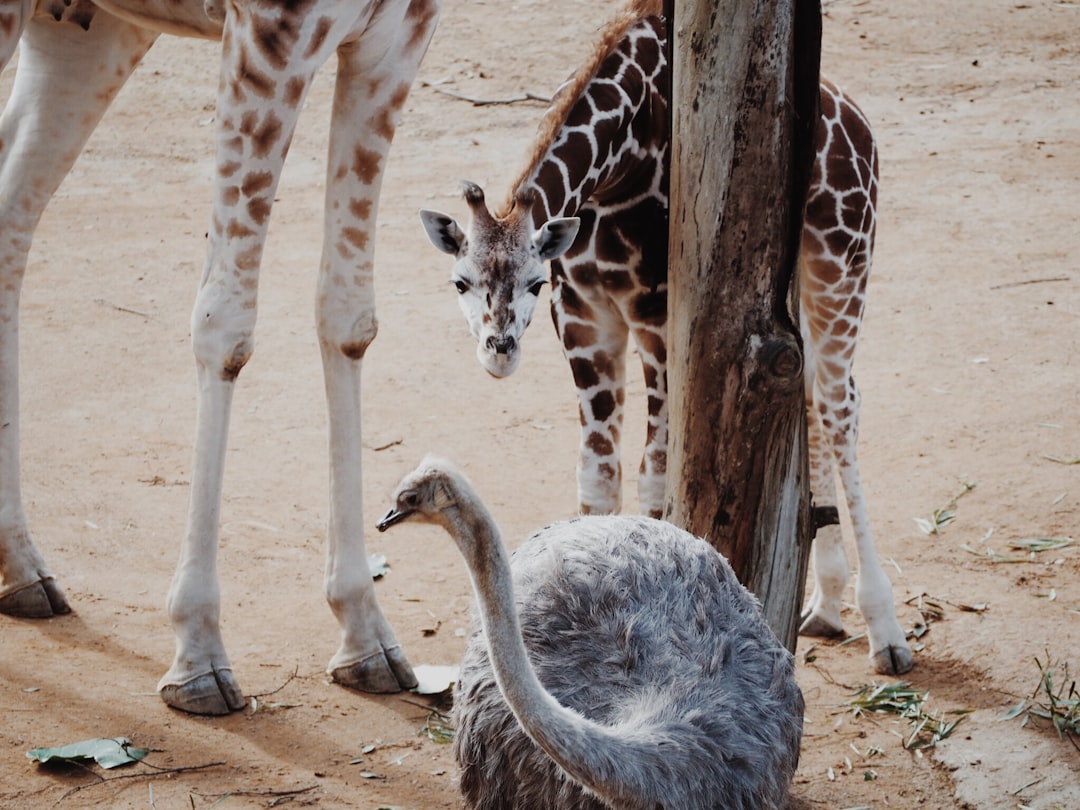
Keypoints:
pixel 485 102
pixel 119 308
pixel 292 676
pixel 1029 281
pixel 267 793
pixel 156 772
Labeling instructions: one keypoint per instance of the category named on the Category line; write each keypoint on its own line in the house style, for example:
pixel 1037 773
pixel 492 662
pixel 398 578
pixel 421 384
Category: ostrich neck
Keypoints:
pixel 590 753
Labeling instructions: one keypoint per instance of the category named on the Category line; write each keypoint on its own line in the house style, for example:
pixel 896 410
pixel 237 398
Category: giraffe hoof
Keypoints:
pixel 893 660
pixel 38 600
pixel 214 693
pixel 384 672
pixel 819 627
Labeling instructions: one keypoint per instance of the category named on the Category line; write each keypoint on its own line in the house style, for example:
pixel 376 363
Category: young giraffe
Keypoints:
pixel 75 55
pixel 596 193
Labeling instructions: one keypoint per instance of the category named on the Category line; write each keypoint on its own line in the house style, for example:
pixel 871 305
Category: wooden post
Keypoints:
pixel 745 93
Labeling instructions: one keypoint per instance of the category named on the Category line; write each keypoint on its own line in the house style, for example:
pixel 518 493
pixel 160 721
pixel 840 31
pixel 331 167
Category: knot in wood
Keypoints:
pixel 784 360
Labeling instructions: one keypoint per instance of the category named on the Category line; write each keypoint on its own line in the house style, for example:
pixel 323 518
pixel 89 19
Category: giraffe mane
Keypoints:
pixel 571 91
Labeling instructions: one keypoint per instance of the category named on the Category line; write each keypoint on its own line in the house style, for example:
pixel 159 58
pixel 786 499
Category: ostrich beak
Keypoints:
pixel 392 517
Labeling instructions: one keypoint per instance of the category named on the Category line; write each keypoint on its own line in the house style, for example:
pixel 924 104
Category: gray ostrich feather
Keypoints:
pixel 616 663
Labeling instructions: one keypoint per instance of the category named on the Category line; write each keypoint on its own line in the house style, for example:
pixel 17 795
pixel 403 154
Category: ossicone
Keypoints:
pixel 474 197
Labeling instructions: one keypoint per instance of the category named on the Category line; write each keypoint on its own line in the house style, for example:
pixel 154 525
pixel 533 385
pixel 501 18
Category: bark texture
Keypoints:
pixel 745 90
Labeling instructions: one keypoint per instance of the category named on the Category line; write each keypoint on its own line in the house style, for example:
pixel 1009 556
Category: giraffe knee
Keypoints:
pixel 352 340
pixel 221 340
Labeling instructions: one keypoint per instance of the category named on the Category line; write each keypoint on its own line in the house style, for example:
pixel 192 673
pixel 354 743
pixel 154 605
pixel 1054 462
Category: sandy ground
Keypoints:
pixel 969 373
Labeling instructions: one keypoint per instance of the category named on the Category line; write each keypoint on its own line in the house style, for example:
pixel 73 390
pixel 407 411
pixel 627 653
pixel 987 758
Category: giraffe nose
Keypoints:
pixel 502 344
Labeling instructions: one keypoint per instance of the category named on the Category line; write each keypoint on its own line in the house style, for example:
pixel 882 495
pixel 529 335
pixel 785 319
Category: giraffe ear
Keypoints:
pixel 443 231
pixel 556 236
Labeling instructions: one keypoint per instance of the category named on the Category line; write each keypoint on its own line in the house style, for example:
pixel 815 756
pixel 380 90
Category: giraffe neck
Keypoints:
pixel 605 125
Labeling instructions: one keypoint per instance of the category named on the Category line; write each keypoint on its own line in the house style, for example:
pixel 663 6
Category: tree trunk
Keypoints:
pixel 745 91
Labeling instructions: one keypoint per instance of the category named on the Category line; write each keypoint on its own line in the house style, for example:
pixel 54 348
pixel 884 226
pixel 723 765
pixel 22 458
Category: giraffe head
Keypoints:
pixel 499 270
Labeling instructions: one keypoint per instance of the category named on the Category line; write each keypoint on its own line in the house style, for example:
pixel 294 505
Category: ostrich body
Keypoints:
pixel 618 664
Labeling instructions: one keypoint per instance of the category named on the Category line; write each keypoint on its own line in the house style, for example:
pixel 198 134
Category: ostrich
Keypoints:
pixel 618 664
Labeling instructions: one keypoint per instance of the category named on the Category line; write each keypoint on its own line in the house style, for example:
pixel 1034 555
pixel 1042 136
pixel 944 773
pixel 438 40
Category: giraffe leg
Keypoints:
pixel 835 425
pixel 821 616
pixel 652 476
pixel 368 99
pixel 594 340
pixel 889 650
pixel 47 121
pixel 259 98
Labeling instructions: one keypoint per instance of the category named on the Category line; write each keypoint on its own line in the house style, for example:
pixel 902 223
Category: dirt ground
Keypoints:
pixel 969 371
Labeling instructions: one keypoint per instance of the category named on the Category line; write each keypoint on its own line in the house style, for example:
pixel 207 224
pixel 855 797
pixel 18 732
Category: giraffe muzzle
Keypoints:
pixel 504 344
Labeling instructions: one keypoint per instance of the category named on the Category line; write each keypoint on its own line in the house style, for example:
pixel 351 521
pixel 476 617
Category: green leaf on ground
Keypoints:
pixel 107 753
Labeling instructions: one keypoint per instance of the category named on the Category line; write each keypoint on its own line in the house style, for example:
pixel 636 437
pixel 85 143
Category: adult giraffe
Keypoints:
pixel 593 199
pixel 74 58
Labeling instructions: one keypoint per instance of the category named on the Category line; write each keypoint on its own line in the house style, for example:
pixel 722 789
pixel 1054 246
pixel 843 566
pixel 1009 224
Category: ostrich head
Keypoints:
pixel 426 494
pixel 499 271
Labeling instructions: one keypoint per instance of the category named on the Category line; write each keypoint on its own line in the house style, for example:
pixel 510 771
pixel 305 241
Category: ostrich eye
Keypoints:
pixel 462 286
pixel 534 288
pixel 410 499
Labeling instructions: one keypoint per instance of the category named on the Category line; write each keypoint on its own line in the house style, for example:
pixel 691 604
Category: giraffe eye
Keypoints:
pixel 534 288
pixel 462 286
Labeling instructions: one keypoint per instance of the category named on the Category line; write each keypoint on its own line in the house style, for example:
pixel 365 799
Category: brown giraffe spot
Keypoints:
pixel 230 168
pixel 647 52
pixel 652 376
pixel 575 151
pixel 821 210
pixel 576 335
pixel 230 195
pixel 650 308
pixel 249 259
pixel 839 242
pixel 854 307
pixel 263 134
pixel 657 458
pixel 584 275
pixel 602 405
pixel 318 36
pixel 275 36
pixel 600 444
pixel 608 132
pixel 585 375
pixel 612 246
pixel 361 209
pixel 366 164
pixel 237 230
pixel 252 78
pixel 421 13
pixel 827 272
pixel 294 91
pixel 234 144
pixel 259 209
pixel 854 210
pixel 355 237
pixel 550 178
pixel 828 106
pixel 254 182
pixel 655 406
pixel 386 121
pixel 653 345
pixel 608 472
pixel 811 245
pixel 383 123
